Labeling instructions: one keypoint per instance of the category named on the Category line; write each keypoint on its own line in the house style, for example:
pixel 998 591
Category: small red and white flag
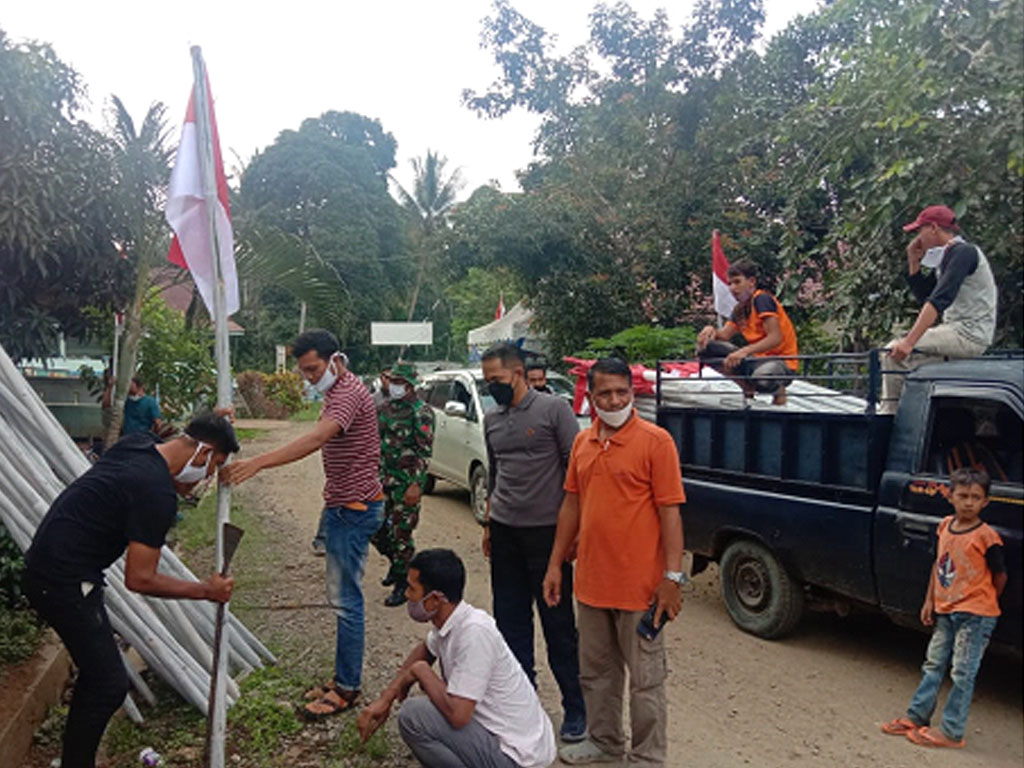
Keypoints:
pixel 500 311
pixel 186 213
pixel 725 302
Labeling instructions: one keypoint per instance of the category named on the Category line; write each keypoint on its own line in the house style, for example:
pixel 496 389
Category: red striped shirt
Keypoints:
pixel 352 457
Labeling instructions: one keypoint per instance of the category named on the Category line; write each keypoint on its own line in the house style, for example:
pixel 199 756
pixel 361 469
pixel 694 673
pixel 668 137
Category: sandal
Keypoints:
pixel 901 726
pixel 331 703
pixel 933 737
pixel 318 691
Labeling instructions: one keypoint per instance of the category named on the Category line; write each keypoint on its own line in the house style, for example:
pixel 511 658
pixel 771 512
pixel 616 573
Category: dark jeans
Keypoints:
pixel 519 559
pixel 83 625
pixel 766 376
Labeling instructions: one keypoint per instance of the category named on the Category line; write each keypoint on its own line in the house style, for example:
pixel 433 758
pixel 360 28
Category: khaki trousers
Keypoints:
pixel 935 345
pixel 609 645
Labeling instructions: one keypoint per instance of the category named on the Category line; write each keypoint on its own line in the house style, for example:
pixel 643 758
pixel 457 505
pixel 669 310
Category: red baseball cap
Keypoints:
pixel 933 214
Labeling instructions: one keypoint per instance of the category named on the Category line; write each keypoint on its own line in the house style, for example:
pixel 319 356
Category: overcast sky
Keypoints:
pixel 405 62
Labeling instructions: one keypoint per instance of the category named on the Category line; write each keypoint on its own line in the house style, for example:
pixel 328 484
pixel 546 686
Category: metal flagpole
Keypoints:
pixel 218 717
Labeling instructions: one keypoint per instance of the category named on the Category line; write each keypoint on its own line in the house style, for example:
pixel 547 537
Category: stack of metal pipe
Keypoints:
pixel 174 637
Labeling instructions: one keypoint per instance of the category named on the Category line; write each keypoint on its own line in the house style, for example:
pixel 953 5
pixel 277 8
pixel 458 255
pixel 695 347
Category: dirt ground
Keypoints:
pixel 814 699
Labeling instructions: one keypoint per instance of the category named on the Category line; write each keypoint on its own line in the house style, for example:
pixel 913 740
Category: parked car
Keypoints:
pixel 836 510
pixel 460 399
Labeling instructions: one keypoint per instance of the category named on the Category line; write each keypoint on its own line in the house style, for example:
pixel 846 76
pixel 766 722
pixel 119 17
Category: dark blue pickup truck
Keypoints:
pixel 832 510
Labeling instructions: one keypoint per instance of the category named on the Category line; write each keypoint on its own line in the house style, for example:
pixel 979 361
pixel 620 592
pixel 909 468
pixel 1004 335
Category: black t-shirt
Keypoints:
pixel 127 495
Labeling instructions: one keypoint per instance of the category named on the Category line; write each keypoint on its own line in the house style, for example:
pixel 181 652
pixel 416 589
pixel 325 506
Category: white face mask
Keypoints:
pixel 327 380
pixel 191 473
pixel 933 257
pixel 397 391
pixel 615 419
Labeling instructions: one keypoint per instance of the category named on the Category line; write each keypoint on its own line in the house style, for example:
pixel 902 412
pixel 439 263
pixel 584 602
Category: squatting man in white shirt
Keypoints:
pixel 482 711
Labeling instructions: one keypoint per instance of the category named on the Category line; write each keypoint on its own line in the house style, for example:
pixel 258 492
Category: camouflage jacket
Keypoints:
pixel 406 441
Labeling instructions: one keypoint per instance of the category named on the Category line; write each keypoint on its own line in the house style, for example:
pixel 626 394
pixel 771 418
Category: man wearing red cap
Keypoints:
pixel 959 288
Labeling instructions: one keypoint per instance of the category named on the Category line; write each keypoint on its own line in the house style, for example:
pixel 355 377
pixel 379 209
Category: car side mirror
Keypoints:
pixel 455 408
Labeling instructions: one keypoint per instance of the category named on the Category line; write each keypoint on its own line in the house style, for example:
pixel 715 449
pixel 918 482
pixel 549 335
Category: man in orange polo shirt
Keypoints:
pixel 623 491
pixel 766 328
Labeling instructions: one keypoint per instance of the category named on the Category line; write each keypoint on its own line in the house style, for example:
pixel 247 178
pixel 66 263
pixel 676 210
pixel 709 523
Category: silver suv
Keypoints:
pixel 460 399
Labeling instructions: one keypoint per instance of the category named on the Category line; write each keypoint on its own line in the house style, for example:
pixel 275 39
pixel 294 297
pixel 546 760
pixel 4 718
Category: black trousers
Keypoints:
pixel 83 625
pixel 519 560
pixel 768 376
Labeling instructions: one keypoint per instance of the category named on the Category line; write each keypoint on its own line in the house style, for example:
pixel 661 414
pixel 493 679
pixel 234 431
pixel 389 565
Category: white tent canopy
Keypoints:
pixel 514 327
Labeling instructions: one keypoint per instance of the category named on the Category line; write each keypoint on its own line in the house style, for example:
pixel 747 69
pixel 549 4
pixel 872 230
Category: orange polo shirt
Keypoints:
pixel 621 483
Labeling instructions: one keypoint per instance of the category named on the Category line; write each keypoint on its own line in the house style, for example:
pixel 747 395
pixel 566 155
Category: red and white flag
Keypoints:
pixel 186 213
pixel 725 302
pixel 500 311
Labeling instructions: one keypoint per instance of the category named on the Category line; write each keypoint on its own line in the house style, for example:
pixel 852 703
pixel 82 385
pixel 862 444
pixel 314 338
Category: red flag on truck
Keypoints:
pixel 725 302
pixel 191 248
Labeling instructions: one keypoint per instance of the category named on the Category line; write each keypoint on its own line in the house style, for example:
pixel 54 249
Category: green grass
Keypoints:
pixel 20 633
pixel 249 433
pixel 349 751
pixel 308 412
pixel 264 712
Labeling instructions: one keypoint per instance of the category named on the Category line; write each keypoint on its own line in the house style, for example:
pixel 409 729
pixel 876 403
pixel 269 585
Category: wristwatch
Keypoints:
pixel 677 576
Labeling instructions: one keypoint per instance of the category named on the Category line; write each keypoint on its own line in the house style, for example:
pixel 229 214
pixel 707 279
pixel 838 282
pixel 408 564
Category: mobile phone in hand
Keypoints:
pixel 646 628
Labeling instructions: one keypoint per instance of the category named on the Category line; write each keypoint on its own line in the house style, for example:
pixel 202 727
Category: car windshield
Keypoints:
pixel 486 401
pixel 561 386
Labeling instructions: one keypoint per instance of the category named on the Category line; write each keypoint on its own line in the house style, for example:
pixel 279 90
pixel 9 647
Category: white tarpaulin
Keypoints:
pixel 514 327
pixel 401 334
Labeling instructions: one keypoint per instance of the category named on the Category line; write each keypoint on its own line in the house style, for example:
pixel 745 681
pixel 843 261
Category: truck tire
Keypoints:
pixel 428 486
pixel 478 492
pixel 760 595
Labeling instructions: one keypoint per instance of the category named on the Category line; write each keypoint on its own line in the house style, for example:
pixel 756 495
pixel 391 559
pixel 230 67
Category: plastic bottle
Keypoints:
pixel 150 757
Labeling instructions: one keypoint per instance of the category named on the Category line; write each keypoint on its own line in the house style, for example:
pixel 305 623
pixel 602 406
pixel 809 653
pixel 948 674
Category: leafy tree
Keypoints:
pixel 326 185
pixel 475 297
pixel 57 219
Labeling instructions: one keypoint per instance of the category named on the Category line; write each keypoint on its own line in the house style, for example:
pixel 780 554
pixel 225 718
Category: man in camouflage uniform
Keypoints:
pixel 406 442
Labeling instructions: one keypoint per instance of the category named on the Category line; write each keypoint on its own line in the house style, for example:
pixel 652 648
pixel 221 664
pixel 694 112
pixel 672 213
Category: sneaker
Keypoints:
pixel 574 729
pixel 586 752
pixel 388 581
pixel 319 548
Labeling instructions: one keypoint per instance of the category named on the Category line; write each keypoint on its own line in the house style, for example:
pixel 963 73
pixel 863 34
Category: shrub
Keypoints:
pixel 270 396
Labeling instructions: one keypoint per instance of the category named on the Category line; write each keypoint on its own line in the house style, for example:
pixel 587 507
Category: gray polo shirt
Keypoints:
pixel 528 447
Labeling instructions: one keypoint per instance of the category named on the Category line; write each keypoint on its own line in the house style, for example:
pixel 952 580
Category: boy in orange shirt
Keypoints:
pixel 963 604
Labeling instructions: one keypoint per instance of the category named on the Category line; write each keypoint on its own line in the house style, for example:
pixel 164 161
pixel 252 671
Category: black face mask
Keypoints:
pixel 501 392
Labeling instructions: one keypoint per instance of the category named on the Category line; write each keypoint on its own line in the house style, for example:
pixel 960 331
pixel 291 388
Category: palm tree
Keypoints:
pixel 430 202
pixel 142 160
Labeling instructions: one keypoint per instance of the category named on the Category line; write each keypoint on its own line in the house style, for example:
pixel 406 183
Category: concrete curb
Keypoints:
pixel 40 681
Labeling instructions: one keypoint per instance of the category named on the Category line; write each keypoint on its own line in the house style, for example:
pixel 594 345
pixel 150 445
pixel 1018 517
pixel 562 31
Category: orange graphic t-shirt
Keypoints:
pixel 963 581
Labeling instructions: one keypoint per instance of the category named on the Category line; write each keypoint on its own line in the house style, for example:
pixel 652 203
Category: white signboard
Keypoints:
pixel 401 334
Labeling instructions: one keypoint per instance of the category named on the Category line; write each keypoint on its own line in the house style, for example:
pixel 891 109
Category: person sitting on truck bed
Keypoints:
pixel 765 326
pixel 961 289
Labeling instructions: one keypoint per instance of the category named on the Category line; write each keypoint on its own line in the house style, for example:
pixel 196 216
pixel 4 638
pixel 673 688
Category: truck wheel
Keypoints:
pixel 478 493
pixel 760 595
pixel 428 486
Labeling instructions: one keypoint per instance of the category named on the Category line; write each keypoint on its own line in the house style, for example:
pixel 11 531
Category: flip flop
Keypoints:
pixel 331 703
pixel 933 737
pixel 901 726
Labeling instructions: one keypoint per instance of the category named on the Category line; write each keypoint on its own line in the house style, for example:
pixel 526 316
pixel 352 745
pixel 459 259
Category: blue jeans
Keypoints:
pixel 961 638
pixel 348 533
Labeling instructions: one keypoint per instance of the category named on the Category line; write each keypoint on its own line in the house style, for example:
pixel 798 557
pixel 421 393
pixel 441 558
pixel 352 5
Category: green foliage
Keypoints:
pixel 350 749
pixel 808 153
pixel 644 344
pixel 58 222
pixel 308 412
pixel 19 629
pixel 475 297
pixel 270 396
pixel 176 358
pixel 264 711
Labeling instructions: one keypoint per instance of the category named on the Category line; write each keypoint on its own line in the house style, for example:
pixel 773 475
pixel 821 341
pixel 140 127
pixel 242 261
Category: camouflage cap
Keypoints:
pixel 405 371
